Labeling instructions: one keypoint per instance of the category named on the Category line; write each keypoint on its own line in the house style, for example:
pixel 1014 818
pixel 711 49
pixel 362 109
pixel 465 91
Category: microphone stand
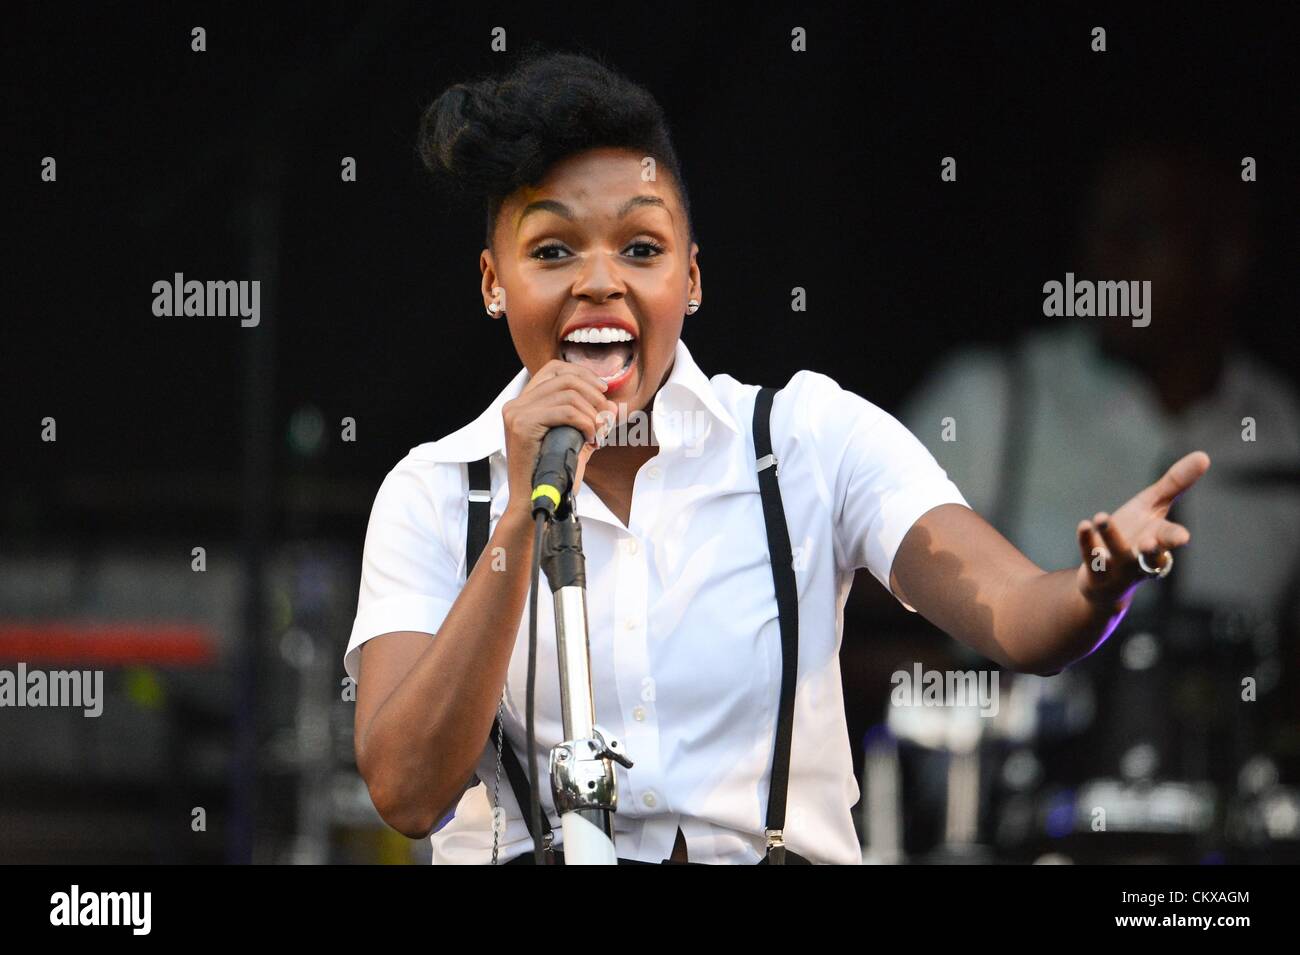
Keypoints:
pixel 583 782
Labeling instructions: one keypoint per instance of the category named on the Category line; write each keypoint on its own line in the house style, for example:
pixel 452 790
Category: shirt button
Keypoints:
pixel 638 713
pixel 649 800
pixel 630 545
pixel 654 472
pixel 629 624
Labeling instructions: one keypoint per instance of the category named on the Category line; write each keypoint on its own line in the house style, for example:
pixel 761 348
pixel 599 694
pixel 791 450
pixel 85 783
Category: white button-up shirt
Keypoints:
pixel 681 608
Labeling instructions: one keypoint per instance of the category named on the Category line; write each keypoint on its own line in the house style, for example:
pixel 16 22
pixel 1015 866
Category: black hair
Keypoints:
pixel 485 138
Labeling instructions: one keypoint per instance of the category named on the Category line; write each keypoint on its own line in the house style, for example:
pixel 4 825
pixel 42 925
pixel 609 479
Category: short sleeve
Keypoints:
pixel 409 575
pixel 881 478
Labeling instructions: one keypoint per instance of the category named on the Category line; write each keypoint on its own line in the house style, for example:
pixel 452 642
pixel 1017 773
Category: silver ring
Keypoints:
pixel 1163 570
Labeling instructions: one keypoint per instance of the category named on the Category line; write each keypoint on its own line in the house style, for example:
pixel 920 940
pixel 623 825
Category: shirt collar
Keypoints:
pixel 687 390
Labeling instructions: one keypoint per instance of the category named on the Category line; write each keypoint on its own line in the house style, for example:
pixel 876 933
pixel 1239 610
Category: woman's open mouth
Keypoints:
pixel 609 352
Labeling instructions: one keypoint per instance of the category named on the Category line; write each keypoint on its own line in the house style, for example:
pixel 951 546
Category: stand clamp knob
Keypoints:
pixel 581 774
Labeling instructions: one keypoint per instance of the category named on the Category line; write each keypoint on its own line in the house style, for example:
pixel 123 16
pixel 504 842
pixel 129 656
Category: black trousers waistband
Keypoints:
pixel 527 859
pixel 791 858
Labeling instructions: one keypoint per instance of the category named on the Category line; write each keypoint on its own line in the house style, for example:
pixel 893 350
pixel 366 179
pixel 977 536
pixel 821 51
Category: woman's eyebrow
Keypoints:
pixel 560 209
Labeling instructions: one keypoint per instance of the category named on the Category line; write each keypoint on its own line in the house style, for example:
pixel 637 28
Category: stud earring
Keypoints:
pixel 497 310
pixel 691 306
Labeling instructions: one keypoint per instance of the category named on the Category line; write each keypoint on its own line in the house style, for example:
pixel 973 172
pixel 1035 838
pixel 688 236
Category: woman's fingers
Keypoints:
pixel 1181 475
pixel 584 455
pixel 1114 541
pixel 570 378
pixel 1090 543
pixel 1108 566
pixel 1100 537
pixel 1148 533
pixel 1161 535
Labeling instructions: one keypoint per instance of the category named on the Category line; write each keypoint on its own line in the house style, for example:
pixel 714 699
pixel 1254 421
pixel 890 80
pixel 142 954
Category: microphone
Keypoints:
pixel 557 465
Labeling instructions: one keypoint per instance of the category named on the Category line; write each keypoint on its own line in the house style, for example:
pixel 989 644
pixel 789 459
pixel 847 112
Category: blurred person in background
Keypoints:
pixel 1066 414
pixel 1134 393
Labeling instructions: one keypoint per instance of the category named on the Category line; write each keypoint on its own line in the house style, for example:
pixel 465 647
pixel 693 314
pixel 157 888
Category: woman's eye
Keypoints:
pixel 653 246
pixel 540 253
pixel 537 253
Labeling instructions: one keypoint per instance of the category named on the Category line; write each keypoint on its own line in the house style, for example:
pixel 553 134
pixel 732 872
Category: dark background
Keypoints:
pixel 817 169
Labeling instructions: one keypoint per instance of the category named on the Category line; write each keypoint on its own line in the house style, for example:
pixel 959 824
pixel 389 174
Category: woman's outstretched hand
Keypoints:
pixel 1110 542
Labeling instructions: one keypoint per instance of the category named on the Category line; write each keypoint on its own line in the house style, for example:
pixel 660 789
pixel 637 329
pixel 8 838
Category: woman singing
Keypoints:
pixel 590 260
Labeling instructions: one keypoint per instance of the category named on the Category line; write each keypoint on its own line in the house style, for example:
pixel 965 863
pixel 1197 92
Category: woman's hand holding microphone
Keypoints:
pixel 561 393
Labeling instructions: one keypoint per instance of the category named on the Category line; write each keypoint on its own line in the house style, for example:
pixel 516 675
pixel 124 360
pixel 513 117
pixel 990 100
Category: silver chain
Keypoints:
pixel 496 786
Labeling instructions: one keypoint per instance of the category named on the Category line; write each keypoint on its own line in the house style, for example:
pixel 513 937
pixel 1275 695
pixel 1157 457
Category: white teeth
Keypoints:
pixel 599 335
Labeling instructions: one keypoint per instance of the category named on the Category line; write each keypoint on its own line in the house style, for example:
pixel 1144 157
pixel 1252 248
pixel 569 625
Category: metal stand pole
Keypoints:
pixel 583 782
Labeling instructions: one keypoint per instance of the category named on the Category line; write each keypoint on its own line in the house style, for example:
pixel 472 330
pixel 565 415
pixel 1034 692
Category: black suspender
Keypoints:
pixel 787 602
pixel 480 512
pixel 476 538
pixel 787 606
